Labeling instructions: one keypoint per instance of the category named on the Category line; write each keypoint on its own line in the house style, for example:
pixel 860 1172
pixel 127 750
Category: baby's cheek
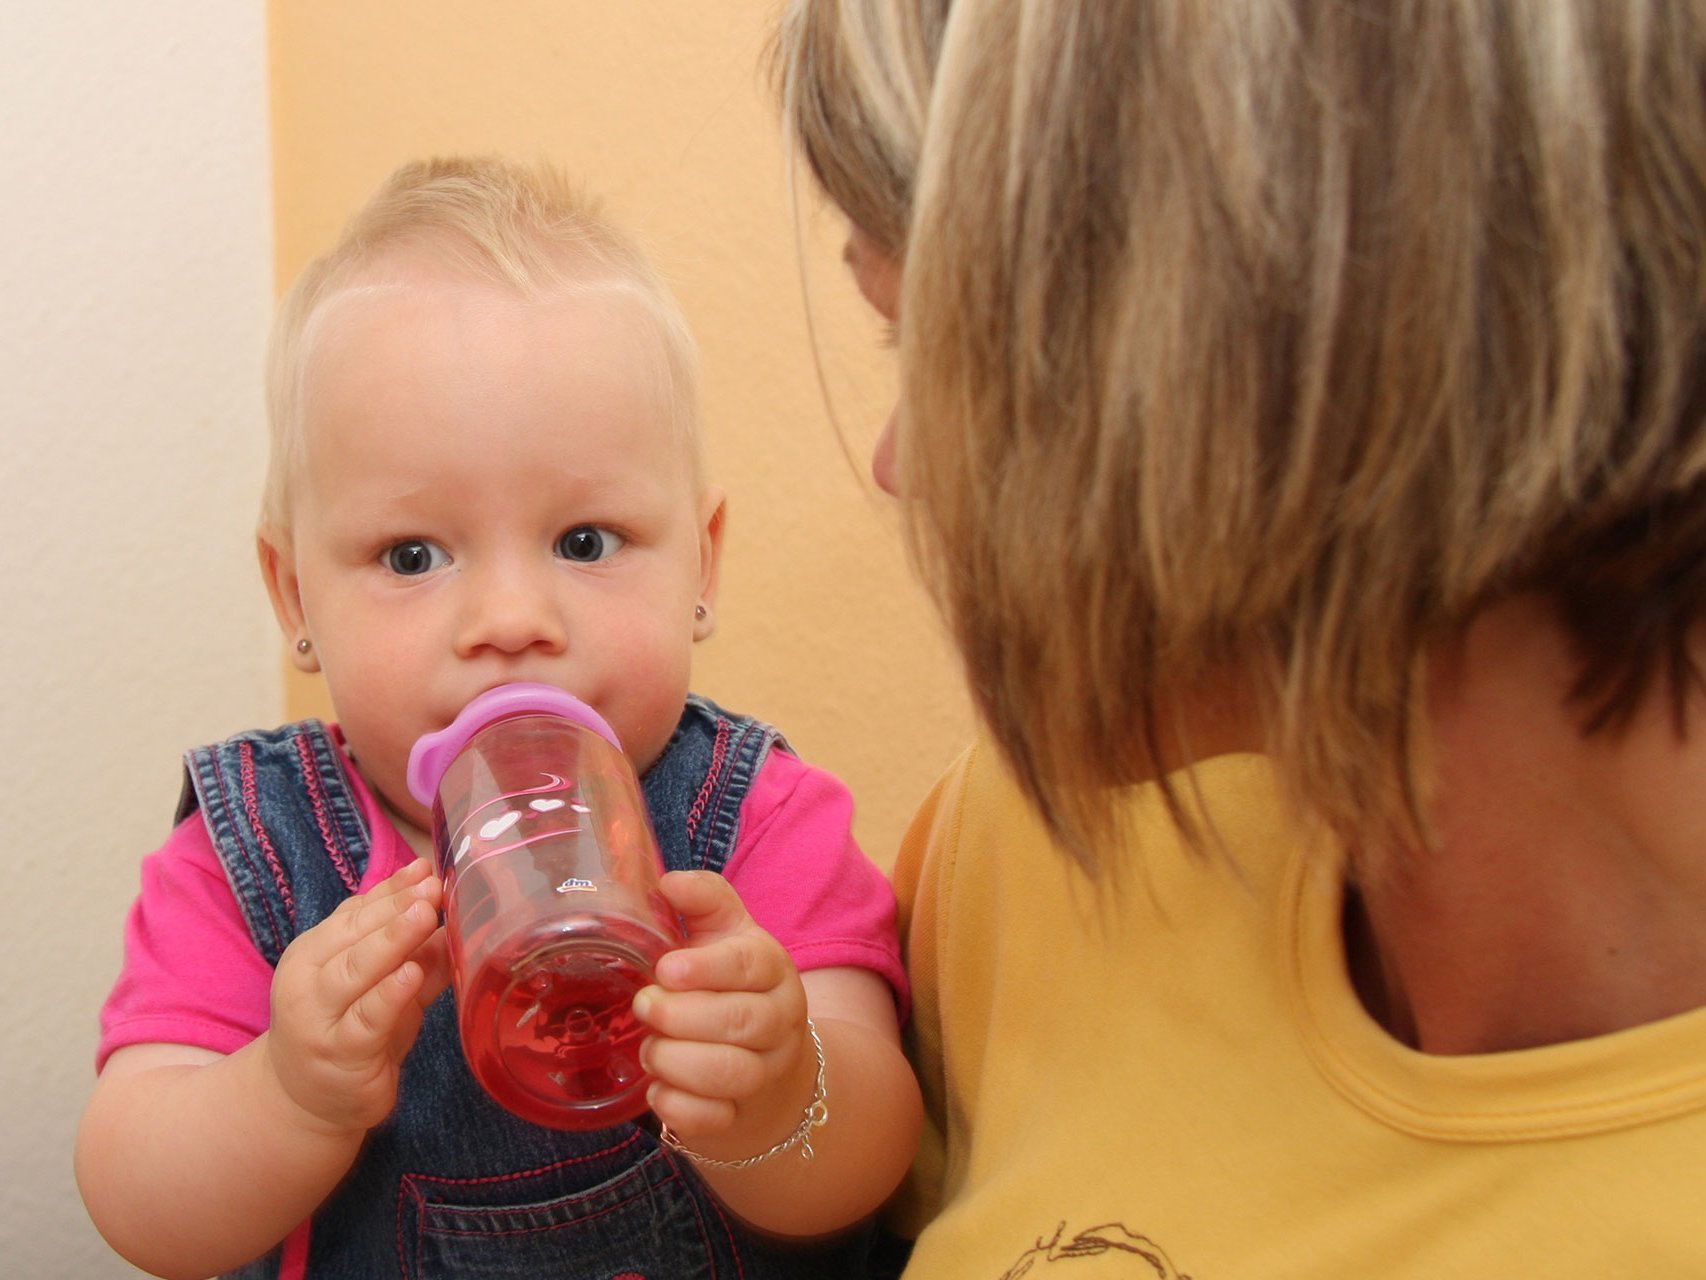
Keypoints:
pixel 649 714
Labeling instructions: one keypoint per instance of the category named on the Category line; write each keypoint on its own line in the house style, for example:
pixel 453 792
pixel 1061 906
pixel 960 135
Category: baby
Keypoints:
pixel 486 468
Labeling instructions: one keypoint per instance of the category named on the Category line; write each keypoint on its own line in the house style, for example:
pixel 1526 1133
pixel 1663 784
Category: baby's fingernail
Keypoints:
pixel 643 1002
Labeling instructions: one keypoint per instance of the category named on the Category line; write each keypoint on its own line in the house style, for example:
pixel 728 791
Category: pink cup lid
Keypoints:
pixel 433 752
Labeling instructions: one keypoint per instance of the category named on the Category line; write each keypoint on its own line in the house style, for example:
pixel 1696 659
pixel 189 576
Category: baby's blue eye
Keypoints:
pixel 414 557
pixel 585 544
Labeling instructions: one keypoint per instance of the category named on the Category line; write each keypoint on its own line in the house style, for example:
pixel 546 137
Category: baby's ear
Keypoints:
pixel 713 514
pixel 278 570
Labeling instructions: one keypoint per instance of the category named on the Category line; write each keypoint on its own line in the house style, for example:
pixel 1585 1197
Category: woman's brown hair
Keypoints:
pixel 1279 339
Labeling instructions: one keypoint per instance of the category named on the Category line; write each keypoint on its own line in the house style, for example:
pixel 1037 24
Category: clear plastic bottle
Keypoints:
pixel 552 905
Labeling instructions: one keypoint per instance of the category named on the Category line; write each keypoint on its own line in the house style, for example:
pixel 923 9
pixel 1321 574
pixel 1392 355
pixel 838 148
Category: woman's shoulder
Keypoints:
pixel 977 809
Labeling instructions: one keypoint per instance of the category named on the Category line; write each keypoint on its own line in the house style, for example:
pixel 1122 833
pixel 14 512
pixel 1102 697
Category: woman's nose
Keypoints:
pixel 510 610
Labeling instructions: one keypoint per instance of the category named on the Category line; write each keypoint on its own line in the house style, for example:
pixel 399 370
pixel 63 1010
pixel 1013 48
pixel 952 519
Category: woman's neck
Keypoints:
pixel 1567 895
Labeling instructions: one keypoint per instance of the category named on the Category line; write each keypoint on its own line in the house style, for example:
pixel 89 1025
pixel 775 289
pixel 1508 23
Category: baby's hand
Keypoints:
pixel 348 998
pixel 731 1057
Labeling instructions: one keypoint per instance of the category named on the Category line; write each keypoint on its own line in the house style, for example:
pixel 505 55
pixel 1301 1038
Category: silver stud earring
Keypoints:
pixel 699 612
pixel 303 645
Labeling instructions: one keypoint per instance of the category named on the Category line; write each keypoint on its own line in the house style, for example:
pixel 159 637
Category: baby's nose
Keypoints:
pixel 511 611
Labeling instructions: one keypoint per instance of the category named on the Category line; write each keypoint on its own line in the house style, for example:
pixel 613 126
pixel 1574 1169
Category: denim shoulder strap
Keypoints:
pixel 696 788
pixel 285 823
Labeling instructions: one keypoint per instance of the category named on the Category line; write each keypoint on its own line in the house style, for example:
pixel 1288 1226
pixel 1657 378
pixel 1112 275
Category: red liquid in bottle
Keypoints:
pixel 545 1014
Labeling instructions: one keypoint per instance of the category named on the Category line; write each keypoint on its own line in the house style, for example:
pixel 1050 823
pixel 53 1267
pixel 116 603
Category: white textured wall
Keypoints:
pixel 135 256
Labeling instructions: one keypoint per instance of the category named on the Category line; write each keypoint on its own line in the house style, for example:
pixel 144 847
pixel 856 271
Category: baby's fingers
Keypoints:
pixel 390 1005
pixel 415 880
pixel 748 1020
pixel 379 952
pixel 433 956
pixel 687 1114
pixel 363 914
pixel 707 903
pixel 747 961
pixel 721 1073
pixel 418 871
pixel 325 970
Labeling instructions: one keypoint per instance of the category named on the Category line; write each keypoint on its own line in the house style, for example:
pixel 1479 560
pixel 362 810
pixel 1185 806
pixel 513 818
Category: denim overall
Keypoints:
pixel 451 1184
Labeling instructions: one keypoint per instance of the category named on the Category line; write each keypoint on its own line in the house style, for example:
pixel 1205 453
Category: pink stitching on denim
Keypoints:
pixel 724 782
pixel 716 1208
pixel 729 1235
pixel 252 810
pixel 217 769
pixel 629 1141
pixel 328 833
pixel 719 749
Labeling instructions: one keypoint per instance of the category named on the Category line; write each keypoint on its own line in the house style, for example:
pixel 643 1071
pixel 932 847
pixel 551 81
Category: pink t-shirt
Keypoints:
pixel 192 974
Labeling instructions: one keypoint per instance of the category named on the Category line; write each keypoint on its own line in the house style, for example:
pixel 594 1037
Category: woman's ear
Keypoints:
pixel 278 570
pixel 713 512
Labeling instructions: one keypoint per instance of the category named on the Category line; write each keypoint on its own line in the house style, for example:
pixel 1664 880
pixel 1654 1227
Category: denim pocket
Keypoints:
pixel 644 1223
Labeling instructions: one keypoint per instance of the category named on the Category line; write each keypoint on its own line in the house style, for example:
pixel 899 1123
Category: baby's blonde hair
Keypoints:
pixel 1280 338
pixel 523 228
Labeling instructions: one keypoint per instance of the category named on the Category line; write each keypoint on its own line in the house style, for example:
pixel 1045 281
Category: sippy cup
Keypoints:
pixel 552 908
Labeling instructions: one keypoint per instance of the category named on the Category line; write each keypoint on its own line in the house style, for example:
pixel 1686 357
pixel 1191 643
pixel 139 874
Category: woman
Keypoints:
pixel 1302 428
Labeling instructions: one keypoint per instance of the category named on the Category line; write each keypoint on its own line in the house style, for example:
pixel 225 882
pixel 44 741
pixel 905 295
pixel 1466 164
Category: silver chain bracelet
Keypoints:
pixel 817 1111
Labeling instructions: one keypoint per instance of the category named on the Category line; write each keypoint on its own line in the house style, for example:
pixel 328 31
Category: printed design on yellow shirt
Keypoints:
pixel 1134 1254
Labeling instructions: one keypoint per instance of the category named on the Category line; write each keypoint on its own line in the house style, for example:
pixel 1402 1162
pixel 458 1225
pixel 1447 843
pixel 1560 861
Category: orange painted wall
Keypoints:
pixel 662 107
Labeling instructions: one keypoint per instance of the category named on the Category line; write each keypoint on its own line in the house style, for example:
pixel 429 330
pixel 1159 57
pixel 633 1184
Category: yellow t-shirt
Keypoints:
pixel 1182 1083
